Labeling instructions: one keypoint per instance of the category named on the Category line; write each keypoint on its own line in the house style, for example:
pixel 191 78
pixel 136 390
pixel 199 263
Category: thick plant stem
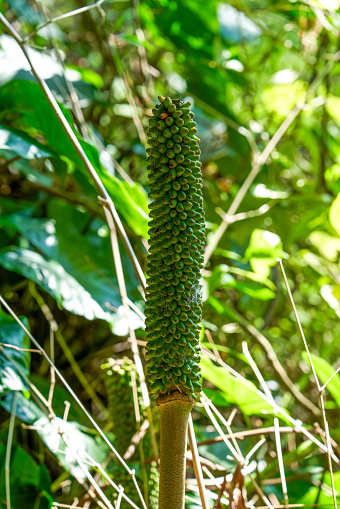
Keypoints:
pixel 174 410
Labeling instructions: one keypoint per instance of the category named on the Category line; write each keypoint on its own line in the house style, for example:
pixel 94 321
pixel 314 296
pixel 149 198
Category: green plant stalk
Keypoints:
pixel 174 410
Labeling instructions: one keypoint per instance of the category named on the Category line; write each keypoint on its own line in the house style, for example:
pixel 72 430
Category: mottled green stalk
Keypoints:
pixel 174 301
pixel 174 410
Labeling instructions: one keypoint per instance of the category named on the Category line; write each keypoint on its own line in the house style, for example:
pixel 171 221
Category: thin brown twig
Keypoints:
pixel 52 384
pixel 221 490
pixel 197 464
pixel 137 437
pixel 18 349
pixel 241 435
pixel 9 450
pixel 330 379
pixel 207 404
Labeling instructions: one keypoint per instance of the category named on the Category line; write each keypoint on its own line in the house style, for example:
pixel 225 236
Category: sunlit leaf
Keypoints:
pixel 53 278
pixel 16 360
pixel 325 371
pixel 327 245
pixel 334 214
pixel 240 392
pixel 263 250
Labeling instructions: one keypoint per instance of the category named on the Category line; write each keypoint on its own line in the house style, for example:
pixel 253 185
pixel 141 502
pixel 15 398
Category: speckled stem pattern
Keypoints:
pixel 174 410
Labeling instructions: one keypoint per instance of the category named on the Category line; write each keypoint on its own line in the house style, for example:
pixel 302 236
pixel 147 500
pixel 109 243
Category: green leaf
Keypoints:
pixel 53 278
pixel 333 107
pixel 81 442
pixel 49 68
pixel 281 99
pixel 14 142
pixel 221 277
pixel 30 483
pixel 253 276
pixel 328 245
pixel 322 497
pixel 222 309
pixel 334 214
pixel 27 410
pixel 12 334
pixel 131 201
pixel 263 250
pixel 36 115
pixel 240 392
pixel 324 371
pixel 89 76
pixel 86 262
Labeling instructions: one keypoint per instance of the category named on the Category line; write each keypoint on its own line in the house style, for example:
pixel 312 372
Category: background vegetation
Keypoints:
pixel 263 78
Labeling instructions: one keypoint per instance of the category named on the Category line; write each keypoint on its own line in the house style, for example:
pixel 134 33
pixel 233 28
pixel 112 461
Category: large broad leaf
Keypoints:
pixel 35 115
pixel 324 372
pixel 86 257
pixel 77 441
pixel 30 483
pixel 83 265
pixel 26 409
pixel 12 359
pixel 238 392
pixel 53 278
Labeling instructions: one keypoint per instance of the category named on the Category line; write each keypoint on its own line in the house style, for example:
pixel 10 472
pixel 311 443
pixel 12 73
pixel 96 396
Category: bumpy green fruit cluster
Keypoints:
pixel 120 400
pixel 177 239
pixel 121 407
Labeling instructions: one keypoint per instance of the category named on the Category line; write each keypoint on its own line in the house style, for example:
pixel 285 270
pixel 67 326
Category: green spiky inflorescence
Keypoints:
pixel 177 238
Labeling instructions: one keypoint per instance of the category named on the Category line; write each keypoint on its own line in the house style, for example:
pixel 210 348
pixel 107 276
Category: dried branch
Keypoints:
pixel 9 449
pixel 197 464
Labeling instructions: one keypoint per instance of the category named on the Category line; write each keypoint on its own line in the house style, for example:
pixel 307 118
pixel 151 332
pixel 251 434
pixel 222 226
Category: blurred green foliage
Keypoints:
pixel 244 66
